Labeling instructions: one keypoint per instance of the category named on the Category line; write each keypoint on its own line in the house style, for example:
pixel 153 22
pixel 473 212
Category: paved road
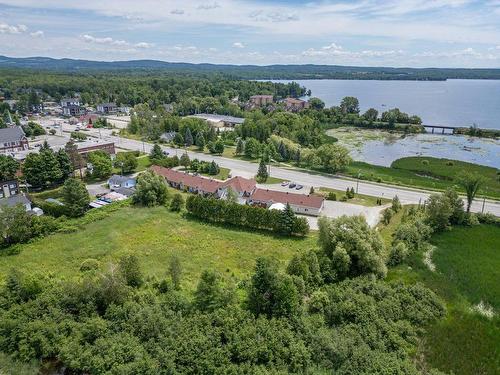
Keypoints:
pixel 247 169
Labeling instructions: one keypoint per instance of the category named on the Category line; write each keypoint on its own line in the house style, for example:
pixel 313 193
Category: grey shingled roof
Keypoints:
pixel 12 134
pixel 13 200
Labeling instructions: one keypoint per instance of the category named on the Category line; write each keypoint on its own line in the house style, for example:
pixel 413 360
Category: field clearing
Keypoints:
pixel 467 262
pixel 154 235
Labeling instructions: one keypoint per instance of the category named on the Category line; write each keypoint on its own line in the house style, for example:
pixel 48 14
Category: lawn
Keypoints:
pixel 436 175
pixel 468 265
pixel 363 200
pixel 222 175
pixel 154 235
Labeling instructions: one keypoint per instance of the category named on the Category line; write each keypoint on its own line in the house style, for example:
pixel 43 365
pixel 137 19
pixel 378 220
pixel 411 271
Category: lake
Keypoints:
pixel 382 148
pixel 455 102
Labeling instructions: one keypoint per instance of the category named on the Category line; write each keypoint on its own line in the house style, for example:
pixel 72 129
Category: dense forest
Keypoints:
pixel 253 71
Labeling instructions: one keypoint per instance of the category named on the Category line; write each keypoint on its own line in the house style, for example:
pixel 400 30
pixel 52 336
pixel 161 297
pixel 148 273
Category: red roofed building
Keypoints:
pixel 243 186
pixel 300 203
pixel 295 105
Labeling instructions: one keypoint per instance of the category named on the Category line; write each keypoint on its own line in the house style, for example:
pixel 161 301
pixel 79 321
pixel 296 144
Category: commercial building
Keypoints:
pixel 261 100
pixel 220 120
pixel 295 105
pixel 107 108
pixel 13 140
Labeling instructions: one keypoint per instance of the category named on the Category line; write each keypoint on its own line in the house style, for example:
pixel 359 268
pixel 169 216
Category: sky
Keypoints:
pixel 401 33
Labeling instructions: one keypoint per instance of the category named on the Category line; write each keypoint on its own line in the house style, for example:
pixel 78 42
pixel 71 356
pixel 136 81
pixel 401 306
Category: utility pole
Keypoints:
pixel 482 209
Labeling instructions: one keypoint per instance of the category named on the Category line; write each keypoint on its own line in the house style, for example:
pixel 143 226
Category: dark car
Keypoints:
pixel 292 185
pixel 298 187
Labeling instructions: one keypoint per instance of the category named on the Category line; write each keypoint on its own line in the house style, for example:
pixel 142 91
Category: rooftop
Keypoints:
pixel 117 179
pixel 265 195
pixel 11 134
pixel 200 183
pixel 240 184
pixel 13 200
pixel 219 118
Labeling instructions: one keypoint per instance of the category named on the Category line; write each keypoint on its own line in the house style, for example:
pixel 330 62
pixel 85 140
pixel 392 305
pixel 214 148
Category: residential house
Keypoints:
pixel 73 110
pixel 167 137
pixel 261 100
pixel 8 188
pixel 220 120
pixel 244 187
pixel 295 105
pixel 117 181
pixel 66 102
pixel 11 196
pixel 125 110
pixel 107 108
pixel 13 140
pixel 300 203
pixel 188 182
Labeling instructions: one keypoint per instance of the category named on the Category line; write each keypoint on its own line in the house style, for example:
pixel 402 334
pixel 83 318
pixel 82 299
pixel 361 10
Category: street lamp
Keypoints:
pixel 357 182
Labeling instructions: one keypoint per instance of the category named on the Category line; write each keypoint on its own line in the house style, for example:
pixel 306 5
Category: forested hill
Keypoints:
pixel 252 71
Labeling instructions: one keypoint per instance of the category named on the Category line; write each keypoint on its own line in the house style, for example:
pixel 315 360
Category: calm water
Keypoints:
pixel 385 148
pixel 453 102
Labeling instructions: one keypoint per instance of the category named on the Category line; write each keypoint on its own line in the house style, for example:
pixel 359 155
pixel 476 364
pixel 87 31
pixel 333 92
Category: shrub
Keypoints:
pixel 177 203
pixel 449 163
pixel 331 196
pixel 425 162
pixel 89 265
pixel 399 252
pixel 387 215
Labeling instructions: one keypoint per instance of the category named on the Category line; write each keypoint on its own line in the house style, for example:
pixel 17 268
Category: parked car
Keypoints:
pixel 298 187
pixel 285 183
pixel 292 185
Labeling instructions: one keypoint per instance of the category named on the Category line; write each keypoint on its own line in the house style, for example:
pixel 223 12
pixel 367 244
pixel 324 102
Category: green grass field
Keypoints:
pixel 468 265
pixel 436 175
pixel 154 235
pixel 363 200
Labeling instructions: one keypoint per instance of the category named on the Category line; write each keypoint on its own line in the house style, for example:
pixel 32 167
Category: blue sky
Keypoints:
pixel 417 33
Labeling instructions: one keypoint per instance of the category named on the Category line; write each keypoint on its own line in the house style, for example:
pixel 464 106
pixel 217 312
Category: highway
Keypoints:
pixel 248 169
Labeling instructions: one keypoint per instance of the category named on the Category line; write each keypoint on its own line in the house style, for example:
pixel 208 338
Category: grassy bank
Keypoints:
pixel 434 174
pixel 465 342
pixel 154 235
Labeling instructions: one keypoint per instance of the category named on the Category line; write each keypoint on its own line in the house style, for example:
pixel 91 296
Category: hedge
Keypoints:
pixel 221 211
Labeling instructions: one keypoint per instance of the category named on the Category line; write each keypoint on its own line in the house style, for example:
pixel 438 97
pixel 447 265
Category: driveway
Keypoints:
pixel 334 209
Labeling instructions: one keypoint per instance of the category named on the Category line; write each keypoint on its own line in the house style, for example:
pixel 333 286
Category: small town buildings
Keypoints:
pixel 295 105
pixel 188 182
pixel 117 181
pixel 11 196
pixel 66 102
pixel 8 188
pixel 206 186
pixel 261 100
pixel 300 203
pixel 86 147
pixel 13 140
pixel 107 108
pixel 73 110
pixel 125 110
pixel 167 137
pixel 220 121
pixel 88 119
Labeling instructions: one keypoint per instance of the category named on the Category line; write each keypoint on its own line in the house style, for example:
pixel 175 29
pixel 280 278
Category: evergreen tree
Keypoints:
pixel 76 159
pixel 213 169
pixel 240 147
pixel 175 270
pixel 177 203
pixel 287 220
pixel 188 138
pixel 156 153
pixel 130 270
pixel 200 141
pixel 64 164
pixel 45 146
pixel 178 139
pixel 184 161
pixel 210 293
pixel 262 174
pixel 76 197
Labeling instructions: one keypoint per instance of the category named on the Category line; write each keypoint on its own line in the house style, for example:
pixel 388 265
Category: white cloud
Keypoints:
pixel 335 50
pixel 262 16
pixel 143 45
pixel 238 45
pixel 37 34
pixel 177 11
pixel 209 6
pixel 11 29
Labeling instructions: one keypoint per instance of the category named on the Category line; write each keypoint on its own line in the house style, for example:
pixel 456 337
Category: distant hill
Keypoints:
pixel 307 71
